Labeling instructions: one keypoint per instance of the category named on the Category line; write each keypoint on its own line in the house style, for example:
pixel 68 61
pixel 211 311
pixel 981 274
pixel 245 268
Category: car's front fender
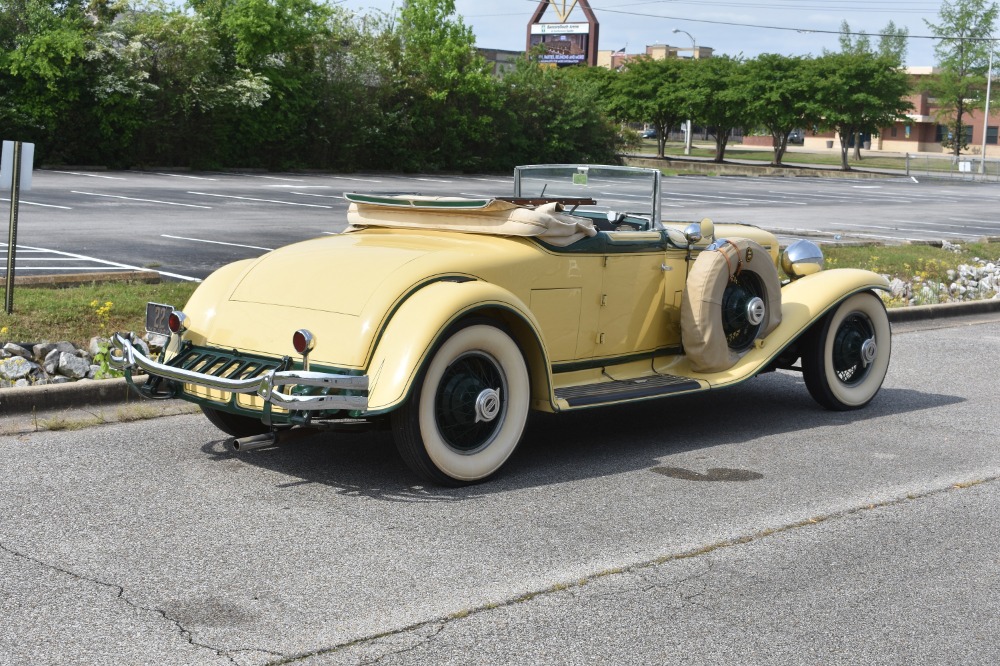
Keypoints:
pixel 803 303
pixel 416 326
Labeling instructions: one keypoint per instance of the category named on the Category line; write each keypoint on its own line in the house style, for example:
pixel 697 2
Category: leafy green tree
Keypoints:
pixel 439 107
pixel 776 90
pixel 651 91
pixel 891 45
pixel 43 68
pixel 555 115
pixel 965 33
pixel 857 93
pixel 716 98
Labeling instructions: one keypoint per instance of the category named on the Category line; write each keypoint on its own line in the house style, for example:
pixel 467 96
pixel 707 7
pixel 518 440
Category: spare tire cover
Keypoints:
pixel 701 311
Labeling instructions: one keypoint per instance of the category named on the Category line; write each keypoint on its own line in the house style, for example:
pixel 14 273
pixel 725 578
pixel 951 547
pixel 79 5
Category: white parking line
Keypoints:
pixel 321 196
pixel 230 196
pixel 202 240
pixel 929 231
pixel 116 196
pixel 104 264
pixel 360 180
pixel 32 203
pixel 90 175
pixel 957 226
pixel 183 175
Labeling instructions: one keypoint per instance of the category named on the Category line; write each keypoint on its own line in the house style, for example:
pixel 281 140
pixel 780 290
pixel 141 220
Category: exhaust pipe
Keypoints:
pixel 253 442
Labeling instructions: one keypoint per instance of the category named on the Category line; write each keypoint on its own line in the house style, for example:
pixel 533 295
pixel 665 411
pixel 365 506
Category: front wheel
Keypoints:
pixel 468 409
pixel 846 355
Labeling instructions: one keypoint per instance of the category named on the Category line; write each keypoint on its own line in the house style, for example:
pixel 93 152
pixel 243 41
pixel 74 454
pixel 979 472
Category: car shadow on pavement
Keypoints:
pixel 558 448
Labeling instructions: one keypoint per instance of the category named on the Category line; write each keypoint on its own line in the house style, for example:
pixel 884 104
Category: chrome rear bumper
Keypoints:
pixel 124 355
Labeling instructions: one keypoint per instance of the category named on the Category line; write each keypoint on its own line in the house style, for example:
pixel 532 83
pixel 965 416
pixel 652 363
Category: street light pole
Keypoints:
pixel 694 52
pixel 986 113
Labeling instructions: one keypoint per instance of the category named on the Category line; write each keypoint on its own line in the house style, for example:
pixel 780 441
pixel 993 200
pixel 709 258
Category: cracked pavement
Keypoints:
pixel 831 538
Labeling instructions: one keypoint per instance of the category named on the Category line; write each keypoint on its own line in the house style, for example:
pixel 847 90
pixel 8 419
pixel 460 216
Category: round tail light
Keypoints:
pixel 177 322
pixel 303 341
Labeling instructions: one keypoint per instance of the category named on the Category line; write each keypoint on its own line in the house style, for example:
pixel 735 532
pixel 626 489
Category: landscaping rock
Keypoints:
pixel 14 349
pixel 17 367
pixel 42 349
pixel 72 366
pixel 51 362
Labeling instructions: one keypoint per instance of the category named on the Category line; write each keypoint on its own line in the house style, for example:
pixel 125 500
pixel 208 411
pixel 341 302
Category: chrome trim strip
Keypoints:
pixel 125 355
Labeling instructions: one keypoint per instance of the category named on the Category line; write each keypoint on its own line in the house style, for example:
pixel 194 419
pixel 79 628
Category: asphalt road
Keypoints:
pixel 746 526
pixel 186 225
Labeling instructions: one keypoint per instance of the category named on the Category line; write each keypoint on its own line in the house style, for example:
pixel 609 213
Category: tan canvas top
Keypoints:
pixel 491 216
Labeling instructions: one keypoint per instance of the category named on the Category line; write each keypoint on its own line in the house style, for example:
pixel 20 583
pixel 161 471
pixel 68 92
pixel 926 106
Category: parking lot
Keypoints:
pixel 185 225
pixel 742 526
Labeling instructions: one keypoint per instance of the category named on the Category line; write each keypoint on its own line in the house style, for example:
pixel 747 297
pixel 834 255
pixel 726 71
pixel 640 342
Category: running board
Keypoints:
pixel 625 390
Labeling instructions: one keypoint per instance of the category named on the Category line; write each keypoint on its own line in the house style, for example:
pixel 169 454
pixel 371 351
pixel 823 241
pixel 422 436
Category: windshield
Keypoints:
pixel 631 190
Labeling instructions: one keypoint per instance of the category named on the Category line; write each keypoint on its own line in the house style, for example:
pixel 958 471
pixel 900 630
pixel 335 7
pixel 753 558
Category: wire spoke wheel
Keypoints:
pixel 848 349
pixel 468 406
pixel 742 310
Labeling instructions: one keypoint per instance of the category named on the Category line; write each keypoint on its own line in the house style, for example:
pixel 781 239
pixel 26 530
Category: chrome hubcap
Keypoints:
pixel 869 350
pixel 755 311
pixel 487 405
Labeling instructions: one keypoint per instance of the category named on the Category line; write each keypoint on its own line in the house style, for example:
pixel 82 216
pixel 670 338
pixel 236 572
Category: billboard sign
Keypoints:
pixel 564 43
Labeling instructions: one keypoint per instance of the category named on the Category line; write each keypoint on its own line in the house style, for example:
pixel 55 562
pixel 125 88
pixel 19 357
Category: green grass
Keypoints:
pixel 824 159
pixel 77 314
pixel 908 261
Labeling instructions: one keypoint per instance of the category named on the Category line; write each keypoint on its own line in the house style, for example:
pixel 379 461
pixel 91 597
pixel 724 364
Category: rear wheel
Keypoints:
pixel 468 409
pixel 846 355
pixel 234 425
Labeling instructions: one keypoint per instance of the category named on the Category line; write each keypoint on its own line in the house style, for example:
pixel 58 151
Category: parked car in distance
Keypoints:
pixel 446 320
pixel 649 133
pixel 797 136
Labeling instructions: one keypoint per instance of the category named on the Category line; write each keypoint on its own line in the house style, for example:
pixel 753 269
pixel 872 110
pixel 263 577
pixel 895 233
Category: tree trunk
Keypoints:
pixel 857 145
pixel 843 152
pixel 721 139
pixel 779 143
pixel 958 135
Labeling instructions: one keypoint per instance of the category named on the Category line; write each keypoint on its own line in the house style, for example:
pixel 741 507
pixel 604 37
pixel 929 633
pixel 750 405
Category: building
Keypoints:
pixel 615 59
pixel 500 60
pixel 923 131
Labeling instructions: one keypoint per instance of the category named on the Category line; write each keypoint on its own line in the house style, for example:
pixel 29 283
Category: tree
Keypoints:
pixel 857 93
pixel 554 116
pixel 442 103
pixel 650 91
pixel 776 90
pixel 716 98
pixel 965 34
pixel 892 45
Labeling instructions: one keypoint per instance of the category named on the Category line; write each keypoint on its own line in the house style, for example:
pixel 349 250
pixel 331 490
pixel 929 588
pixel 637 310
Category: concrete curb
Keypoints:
pixel 942 310
pixel 72 395
pixel 115 392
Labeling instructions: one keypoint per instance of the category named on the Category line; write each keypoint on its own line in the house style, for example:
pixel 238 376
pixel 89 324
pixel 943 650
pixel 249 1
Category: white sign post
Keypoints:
pixel 15 161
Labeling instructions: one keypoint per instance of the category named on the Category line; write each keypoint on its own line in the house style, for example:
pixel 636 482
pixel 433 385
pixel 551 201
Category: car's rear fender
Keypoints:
pixel 420 322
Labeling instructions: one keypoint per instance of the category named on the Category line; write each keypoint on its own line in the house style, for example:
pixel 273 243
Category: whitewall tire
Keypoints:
pixel 468 408
pixel 846 356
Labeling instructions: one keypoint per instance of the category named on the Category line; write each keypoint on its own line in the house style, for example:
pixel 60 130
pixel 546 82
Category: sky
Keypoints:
pixel 731 27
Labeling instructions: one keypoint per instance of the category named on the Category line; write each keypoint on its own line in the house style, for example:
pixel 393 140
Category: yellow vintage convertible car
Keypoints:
pixel 449 319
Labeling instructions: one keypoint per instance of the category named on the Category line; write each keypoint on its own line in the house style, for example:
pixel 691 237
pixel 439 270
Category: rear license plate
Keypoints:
pixel 157 315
